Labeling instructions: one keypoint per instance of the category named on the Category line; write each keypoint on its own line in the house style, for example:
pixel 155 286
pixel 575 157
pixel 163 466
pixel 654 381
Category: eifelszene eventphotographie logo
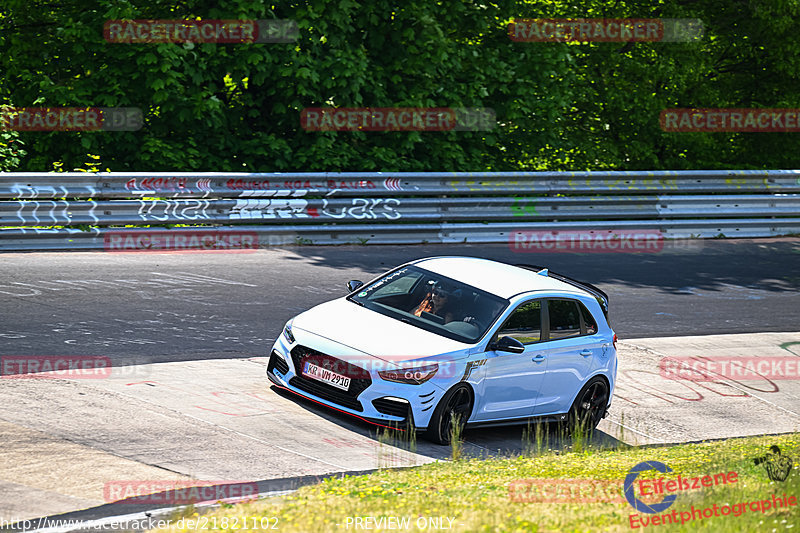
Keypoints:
pixel 630 495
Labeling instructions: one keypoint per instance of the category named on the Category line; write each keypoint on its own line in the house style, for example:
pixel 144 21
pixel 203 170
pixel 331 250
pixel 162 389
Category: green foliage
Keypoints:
pixel 11 152
pixel 236 107
pixel 748 57
pixel 476 493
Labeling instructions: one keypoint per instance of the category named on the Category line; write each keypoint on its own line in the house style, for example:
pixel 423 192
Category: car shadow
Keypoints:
pixel 502 441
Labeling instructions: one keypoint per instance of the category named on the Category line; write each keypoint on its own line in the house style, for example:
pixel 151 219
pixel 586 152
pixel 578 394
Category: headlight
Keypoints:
pixel 287 332
pixel 412 376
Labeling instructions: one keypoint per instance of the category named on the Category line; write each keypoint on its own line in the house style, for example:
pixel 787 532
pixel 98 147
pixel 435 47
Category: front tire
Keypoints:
pixel 457 402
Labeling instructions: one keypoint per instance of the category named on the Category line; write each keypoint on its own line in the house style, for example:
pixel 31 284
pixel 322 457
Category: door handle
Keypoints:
pixel 538 358
pixel 586 353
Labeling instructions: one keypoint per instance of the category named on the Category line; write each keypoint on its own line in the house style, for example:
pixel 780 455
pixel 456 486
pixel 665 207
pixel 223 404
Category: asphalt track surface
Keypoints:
pixel 158 307
pixel 188 333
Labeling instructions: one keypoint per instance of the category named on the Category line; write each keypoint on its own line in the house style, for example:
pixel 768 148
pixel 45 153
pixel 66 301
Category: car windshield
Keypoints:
pixel 432 302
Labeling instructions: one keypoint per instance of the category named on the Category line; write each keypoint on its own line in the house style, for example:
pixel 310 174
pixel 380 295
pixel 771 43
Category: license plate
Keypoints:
pixel 313 371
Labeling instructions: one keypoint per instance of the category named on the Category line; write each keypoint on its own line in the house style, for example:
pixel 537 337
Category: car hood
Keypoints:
pixel 372 333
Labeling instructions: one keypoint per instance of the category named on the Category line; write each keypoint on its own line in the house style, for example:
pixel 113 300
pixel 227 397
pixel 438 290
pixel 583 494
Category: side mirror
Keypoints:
pixel 354 284
pixel 508 344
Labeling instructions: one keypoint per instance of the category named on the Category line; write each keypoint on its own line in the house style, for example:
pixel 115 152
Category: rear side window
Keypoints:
pixel 569 318
pixel 589 322
pixel 565 319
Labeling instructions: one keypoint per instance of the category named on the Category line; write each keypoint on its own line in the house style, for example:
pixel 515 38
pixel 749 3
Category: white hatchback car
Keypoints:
pixel 448 340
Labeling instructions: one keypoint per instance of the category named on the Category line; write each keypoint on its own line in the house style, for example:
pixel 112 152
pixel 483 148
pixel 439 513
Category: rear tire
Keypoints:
pixel 456 402
pixel 589 406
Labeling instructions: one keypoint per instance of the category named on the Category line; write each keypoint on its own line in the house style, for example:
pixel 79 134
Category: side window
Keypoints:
pixel 564 319
pixel 525 323
pixel 588 320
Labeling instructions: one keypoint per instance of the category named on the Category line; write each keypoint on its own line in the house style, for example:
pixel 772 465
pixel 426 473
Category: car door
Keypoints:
pixel 571 349
pixel 511 381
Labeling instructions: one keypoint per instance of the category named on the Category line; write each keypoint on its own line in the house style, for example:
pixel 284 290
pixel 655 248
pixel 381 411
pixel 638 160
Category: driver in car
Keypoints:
pixel 442 300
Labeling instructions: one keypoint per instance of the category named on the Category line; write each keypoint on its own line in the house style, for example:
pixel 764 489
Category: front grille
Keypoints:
pixel 359 378
pixel 388 406
pixel 276 362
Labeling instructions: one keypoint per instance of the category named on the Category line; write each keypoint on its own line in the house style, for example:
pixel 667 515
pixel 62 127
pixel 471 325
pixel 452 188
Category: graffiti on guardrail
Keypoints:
pixel 392 184
pixel 357 208
pixel 306 185
pixel 276 208
pixel 523 206
pixel 168 185
pixel 158 184
pixel 362 208
pixel 351 184
pixel 21 191
pixel 55 204
pixel 248 185
pixel 163 210
pixel 254 187
pixel 46 212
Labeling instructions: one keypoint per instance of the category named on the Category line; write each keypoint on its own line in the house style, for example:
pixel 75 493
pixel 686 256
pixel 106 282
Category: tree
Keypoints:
pixel 237 107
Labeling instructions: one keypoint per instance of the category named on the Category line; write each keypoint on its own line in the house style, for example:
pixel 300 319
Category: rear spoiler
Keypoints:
pixel 601 296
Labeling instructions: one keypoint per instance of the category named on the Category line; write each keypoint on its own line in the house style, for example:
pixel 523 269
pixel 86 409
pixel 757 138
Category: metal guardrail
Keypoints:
pixel 362 207
pixel 31 186
pixel 312 211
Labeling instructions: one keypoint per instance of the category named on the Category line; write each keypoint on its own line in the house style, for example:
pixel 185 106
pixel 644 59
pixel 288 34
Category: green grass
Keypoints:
pixel 475 492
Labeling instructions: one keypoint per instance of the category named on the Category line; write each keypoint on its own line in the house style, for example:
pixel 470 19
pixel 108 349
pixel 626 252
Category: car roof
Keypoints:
pixel 501 279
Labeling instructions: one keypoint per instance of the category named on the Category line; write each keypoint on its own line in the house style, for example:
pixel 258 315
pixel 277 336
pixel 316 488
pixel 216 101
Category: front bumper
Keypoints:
pixel 375 401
